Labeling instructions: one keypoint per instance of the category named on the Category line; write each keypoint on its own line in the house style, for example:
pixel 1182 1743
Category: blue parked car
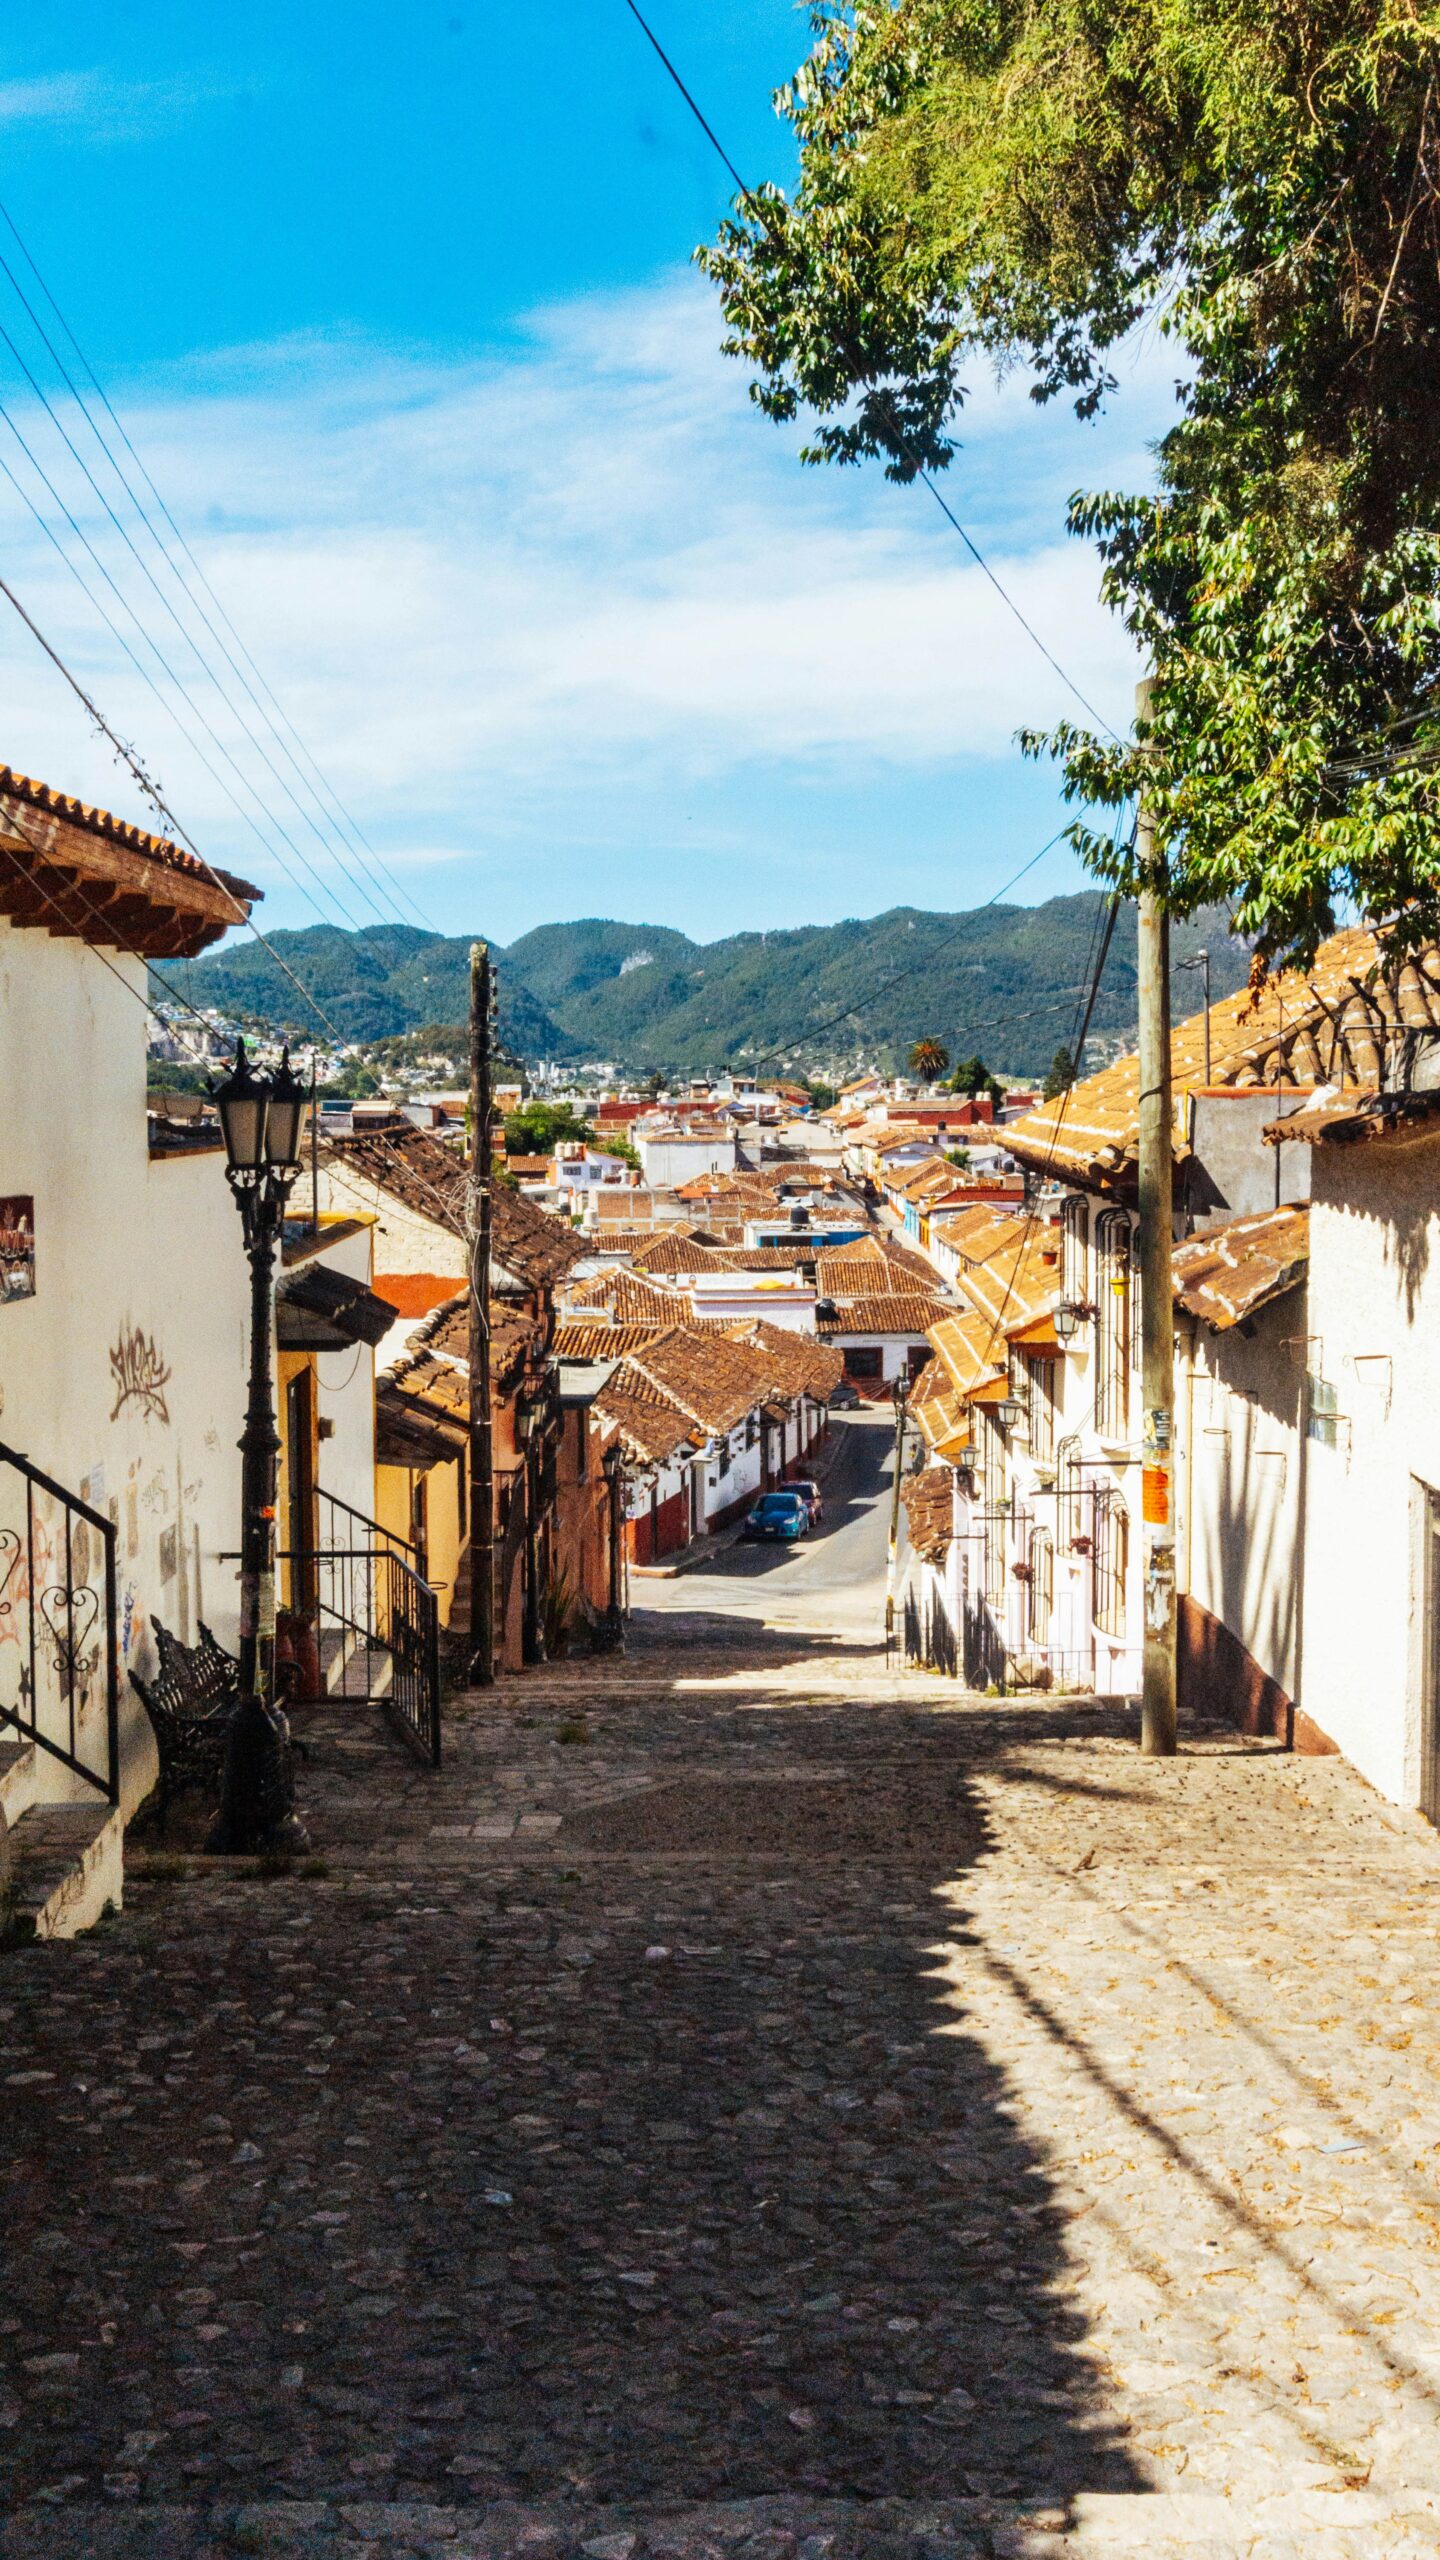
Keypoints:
pixel 779 1515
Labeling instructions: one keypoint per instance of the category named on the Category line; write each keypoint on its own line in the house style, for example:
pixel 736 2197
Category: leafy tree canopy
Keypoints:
pixel 972 1076
pixel 1061 1075
pixel 538 1128
pixel 1024 181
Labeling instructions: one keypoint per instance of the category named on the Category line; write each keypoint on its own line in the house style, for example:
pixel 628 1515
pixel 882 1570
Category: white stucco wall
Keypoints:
pixel 667 1162
pixel 1374 1328
pixel 1240 1472
pixel 137 1263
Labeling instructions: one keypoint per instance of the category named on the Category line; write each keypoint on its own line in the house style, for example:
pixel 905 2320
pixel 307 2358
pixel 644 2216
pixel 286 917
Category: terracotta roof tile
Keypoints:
pixel 1358 1117
pixel 929 1512
pixel 651 1430
pixel 430 1179
pixel 1347 1015
pixel 894 1311
pixel 972 1354
pixel 713 1379
pixel 629 1298
pixel 802 1365
pixel 577 1339
pixel 939 1413
pixel 1228 1272
pixel 99 822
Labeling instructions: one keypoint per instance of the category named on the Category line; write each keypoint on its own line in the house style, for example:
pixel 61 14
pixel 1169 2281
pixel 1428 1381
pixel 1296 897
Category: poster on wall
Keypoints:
pixel 17 1249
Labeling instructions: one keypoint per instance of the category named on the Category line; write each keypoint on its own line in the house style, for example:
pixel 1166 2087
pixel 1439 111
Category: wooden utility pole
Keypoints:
pixel 901 1392
pixel 1157 1312
pixel 477 1228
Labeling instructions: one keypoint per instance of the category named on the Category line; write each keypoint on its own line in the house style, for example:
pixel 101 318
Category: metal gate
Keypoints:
pixel 59 1656
pixel 377 1621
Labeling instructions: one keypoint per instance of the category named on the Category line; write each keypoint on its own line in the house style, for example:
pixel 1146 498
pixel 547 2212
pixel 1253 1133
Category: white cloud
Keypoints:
pixel 98 105
pixel 582 565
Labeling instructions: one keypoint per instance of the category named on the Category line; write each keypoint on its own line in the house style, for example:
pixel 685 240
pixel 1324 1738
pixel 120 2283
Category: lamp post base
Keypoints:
pixel 257 1804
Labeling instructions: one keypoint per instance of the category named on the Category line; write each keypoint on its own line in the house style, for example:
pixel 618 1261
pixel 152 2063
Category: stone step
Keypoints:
pixel 1339 2524
pixel 17 1778
pixel 67 1866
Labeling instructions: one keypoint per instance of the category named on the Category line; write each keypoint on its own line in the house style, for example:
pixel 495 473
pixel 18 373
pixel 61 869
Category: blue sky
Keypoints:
pixel 397 309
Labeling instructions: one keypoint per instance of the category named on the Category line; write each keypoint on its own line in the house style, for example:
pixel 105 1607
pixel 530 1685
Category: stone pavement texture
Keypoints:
pixel 806 2115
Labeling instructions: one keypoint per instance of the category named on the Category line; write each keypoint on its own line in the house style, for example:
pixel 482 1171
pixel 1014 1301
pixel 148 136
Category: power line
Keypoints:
pixel 83 360
pixel 364 885
pixel 912 968
pixel 152 792
pixel 758 209
pixel 158 653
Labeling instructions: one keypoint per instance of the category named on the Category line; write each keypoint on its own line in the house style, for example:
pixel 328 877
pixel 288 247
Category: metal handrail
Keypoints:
pixel 57 1662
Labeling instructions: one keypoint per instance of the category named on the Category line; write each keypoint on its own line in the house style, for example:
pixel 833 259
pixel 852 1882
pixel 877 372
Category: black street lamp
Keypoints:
pixel 261 1118
pixel 613 1464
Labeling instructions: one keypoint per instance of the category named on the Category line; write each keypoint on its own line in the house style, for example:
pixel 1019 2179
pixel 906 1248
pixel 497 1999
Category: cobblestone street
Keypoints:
pixel 750 2101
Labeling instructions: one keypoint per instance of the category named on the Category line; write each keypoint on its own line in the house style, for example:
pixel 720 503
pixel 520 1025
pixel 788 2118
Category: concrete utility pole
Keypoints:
pixel 1157 1315
pixel 477 1228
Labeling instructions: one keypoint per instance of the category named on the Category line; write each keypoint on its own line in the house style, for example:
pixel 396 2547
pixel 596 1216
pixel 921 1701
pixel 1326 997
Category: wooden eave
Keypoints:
pixel 71 880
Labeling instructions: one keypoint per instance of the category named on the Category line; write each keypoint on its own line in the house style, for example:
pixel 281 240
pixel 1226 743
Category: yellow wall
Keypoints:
pixel 394 1509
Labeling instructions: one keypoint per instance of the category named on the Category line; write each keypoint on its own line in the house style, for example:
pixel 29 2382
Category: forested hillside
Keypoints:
pixel 1006 981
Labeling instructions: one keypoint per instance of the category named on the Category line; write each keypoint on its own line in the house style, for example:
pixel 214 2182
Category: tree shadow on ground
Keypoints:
pixel 668 2176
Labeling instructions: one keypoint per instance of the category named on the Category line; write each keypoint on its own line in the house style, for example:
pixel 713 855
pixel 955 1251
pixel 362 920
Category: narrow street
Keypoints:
pixel 751 2101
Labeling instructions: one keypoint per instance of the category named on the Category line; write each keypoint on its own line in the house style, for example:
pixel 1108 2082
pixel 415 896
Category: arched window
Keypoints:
pixel 1112 1324
pixel 1041 1595
pixel 1070 1520
pixel 1112 1559
pixel 1075 1250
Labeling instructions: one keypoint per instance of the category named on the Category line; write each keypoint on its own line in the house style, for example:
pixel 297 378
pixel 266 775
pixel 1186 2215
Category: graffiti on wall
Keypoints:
pixel 17 1249
pixel 140 1375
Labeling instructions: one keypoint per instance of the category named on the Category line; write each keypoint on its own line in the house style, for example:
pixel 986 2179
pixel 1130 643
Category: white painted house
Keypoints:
pixel 672 1152
pixel 122 1326
pixel 124 1333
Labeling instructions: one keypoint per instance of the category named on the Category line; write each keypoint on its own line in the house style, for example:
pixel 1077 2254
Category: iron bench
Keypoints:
pixel 190 1702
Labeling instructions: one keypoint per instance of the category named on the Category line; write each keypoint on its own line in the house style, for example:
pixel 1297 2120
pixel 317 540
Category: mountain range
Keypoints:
pixel 1006 982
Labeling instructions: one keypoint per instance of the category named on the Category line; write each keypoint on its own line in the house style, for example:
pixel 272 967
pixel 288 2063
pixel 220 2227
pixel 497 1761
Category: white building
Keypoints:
pixel 671 1152
pixel 783 1298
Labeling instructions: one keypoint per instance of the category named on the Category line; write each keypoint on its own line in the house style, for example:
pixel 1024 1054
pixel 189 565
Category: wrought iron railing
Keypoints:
pixel 376 1619
pixel 59 1660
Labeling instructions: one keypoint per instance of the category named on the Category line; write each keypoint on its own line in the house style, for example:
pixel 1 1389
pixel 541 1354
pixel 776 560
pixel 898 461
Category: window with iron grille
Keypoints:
pixel 1040 1379
pixel 1041 1595
pixel 992 1494
pixel 1071 1522
pixel 1075 1250
pixel 1112 1323
pixel 1112 1559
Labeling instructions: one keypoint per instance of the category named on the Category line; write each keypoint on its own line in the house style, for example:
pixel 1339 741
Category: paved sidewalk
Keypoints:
pixel 805 2112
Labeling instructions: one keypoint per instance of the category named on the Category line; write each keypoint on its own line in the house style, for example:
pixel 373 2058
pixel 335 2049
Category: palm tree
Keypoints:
pixel 929 1059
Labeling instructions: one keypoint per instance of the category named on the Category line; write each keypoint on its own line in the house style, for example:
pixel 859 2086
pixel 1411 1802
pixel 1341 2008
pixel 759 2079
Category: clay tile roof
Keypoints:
pixel 434 1382
pixel 714 1380
pixel 979 1233
pixel 893 1311
pixel 870 1264
pixel 802 1365
pixel 971 1353
pixel 674 1249
pixel 929 1512
pixel 66 868
pixel 651 1429
pixel 1229 1271
pixel 430 1180
pixel 1345 1119
pixel 514 1336
pixel 937 1409
pixel 1344 1016
pixel 99 822
pixel 1018 1285
pixel 578 1340
pixel 628 1298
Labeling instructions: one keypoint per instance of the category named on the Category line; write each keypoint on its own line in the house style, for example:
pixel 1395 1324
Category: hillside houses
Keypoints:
pixel 1307 1394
